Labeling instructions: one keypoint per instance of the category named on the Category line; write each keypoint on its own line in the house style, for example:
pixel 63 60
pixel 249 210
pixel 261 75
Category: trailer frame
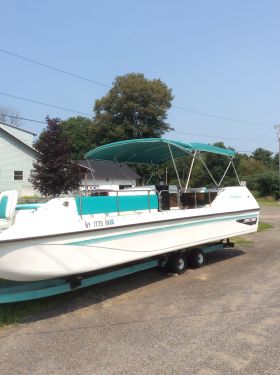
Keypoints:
pixel 12 291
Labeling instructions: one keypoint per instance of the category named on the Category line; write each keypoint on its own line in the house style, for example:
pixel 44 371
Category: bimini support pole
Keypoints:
pixel 190 171
pixel 152 175
pixel 91 170
pixel 236 174
pixel 177 174
pixel 210 174
pixel 230 162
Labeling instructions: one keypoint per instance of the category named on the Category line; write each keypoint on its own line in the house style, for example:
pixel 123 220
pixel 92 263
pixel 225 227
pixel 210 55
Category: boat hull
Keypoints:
pixel 77 253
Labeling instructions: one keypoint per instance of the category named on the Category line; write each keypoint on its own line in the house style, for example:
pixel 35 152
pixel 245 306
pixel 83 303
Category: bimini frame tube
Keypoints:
pixel 236 174
pixel 190 171
pixel 229 164
pixel 210 174
pixel 175 166
pixel 225 172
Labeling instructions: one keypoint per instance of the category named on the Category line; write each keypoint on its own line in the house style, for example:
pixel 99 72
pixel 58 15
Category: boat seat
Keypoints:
pixel 8 202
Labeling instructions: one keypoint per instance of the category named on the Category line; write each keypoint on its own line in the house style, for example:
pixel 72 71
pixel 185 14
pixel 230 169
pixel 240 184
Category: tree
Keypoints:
pixel 80 132
pixel 266 183
pixel 134 107
pixel 263 155
pixel 9 116
pixel 250 166
pixel 54 173
pixel 275 162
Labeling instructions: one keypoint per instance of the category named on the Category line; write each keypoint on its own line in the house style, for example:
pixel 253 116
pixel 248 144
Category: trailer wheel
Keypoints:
pixel 197 258
pixel 177 263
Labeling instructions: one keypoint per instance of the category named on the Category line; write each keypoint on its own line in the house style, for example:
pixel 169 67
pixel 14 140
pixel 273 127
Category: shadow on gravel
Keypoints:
pixel 94 295
pixel 220 256
pixel 31 311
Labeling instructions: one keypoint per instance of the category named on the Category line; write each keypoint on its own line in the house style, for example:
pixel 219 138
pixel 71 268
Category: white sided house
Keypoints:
pixel 16 158
pixel 105 175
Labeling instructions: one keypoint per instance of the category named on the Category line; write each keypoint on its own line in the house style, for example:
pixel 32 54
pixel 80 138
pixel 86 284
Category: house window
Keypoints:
pixel 18 175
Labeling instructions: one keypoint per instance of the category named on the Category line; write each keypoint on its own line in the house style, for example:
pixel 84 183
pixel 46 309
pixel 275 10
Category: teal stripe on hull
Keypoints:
pixel 155 230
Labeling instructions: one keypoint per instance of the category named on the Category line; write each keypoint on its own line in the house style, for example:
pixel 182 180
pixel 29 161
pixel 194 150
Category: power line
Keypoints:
pixel 78 76
pixel 23 118
pixel 259 137
pixel 217 137
pixel 45 104
pixel 53 68
pixel 220 117
pixel 175 131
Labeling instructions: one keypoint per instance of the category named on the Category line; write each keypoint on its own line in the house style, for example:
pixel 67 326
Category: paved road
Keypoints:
pixel 221 319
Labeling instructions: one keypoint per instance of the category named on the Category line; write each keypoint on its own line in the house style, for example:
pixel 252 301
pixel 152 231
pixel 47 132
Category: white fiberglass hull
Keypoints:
pixel 77 253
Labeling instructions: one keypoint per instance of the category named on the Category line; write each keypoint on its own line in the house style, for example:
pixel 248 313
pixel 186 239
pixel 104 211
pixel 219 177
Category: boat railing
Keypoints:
pixel 197 199
pixel 136 200
pixel 135 205
pixel 184 200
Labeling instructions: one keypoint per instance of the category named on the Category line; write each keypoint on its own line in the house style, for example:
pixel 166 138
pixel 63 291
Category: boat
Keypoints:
pixel 77 235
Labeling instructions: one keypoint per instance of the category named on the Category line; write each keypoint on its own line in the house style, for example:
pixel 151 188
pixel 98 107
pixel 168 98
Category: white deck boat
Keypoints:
pixel 76 235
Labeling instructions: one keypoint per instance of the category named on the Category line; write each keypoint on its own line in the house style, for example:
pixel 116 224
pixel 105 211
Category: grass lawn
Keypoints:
pixel 268 202
pixel 264 226
pixel 241 240
pixel 13 313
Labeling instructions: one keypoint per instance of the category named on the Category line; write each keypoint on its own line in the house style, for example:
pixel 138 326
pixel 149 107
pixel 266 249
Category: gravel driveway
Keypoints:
pixel 220 319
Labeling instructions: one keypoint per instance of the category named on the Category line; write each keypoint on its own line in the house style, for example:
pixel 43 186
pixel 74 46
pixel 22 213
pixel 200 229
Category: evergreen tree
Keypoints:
pixel 53 172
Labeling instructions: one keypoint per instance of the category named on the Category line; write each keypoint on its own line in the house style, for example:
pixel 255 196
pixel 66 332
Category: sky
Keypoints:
pixel 219 57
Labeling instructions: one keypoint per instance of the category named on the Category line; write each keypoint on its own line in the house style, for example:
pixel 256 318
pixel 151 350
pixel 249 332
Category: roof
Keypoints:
pixel 17 128
pixel 107 169
pixel 17 139
pixel 151 150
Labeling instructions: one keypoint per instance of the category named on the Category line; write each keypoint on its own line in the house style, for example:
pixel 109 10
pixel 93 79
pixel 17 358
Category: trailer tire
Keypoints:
pixel 177 263
pixel 197 258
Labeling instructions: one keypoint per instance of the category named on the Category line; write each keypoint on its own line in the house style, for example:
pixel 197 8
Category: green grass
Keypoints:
pixel 264 226
pixel 268 202
pixel 241 240
pixel 14 313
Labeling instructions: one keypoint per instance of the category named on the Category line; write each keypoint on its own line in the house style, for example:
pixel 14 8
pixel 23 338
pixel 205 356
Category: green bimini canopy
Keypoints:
pixel 150 151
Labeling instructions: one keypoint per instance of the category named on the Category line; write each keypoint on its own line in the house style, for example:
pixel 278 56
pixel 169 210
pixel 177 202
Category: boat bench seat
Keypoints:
pixel 8 201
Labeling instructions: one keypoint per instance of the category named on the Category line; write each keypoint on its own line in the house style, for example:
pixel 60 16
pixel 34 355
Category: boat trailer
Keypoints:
pixel 176 262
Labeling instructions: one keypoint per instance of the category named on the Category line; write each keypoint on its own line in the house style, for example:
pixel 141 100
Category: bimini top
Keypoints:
pixel 150 151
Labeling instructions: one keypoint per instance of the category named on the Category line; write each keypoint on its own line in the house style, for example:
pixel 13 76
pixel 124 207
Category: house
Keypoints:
pixel 16 158
pixel 105 174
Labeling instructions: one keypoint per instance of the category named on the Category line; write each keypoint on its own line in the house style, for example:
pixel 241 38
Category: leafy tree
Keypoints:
pixel 134 107
pixel 250 166
pixel 275 162
pixel 80 132
pixel 266 183
pixel 53 172
pixel 263 155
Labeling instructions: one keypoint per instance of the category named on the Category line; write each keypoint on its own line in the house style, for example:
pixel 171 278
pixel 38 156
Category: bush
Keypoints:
pixel 31 199
pixel 264 183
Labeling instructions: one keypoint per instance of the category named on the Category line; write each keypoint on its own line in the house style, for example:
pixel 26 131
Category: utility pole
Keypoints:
pixel 277 127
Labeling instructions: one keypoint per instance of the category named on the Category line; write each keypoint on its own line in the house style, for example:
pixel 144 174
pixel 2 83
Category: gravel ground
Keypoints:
pixel 220 319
